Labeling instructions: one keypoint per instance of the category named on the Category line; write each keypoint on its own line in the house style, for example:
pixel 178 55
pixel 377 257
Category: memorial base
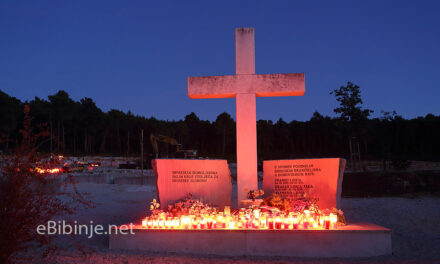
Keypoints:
pixel 353 240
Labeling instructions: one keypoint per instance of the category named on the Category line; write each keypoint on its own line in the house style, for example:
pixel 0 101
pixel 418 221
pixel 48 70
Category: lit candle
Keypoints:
pixel 306 224
pixel 176 222
pixel 221 222
pixel 327 222
pixel 185 222
pixel 286 223
pixel 257 213
pixel 194 223
pixel 270 222
pixel 263 222
pixel 333 220
pixel 314 223
pixel 227 210
pixel 255 224
pixel 227 221
pixel 307 213
pixel 278 223
pixel 246 223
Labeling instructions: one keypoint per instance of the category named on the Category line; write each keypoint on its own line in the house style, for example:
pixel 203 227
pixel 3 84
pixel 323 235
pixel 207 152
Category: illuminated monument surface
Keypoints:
pixel 209 180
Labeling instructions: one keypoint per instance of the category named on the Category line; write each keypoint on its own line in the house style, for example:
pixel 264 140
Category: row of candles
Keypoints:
pixel 52 170
pixel 243 220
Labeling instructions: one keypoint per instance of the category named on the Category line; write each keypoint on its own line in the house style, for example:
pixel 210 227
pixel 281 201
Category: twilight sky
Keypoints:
pixel 136 55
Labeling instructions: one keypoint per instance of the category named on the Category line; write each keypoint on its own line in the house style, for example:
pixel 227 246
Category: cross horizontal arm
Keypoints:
pixel 263 85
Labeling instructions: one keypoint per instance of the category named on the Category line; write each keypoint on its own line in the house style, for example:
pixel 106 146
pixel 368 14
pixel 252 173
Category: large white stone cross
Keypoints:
pixel 245 85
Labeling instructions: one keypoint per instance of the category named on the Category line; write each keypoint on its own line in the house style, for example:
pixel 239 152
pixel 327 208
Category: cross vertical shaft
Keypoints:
pixel 246 121
pixel 245 86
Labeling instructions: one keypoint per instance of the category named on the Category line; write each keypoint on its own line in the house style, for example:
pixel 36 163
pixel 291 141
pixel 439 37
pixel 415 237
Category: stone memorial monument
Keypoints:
pixel 318 179
pixel 207 180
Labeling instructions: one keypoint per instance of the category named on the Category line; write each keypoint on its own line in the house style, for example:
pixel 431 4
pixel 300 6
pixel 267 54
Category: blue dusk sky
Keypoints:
pixel 137 55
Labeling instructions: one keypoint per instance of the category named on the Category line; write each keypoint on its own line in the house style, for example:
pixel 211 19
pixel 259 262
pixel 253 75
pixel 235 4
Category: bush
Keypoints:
pixel 29 198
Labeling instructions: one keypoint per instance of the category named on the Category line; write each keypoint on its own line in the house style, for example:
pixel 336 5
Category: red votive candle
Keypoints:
pixel 278 224
pixel 306 225
pixel 270 223
pixel 209 224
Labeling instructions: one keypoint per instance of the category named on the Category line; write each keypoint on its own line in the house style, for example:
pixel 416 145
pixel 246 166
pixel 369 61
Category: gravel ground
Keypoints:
pixel 415 223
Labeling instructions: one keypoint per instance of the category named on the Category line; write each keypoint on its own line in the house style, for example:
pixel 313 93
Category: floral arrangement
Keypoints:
pixel 276 201
pixel 255 194
pixel 301 204
pixel 154 207
pixel 188 206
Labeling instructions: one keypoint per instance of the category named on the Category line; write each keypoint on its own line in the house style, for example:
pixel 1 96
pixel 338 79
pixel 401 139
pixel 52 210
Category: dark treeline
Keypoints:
pixel 81 128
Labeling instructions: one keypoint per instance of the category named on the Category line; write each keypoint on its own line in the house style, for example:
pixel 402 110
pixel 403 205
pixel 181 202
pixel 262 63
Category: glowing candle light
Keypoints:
pixel 240 223
pixel 221 222
pixel 327 222
pixel 262 221
pixel 333 220
pixel 295 222
pixel 227 210
pixel 176 222
pixel 314 223
pixel 257 213
pixel 185 222
pixel 203 223
pixel 246 223
pixel 194 223
pixel 306 224
pixel 286 223
pixel 255 224
pixel 214 223
pixel 278 223
pixel 307 213
pixel 270 222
